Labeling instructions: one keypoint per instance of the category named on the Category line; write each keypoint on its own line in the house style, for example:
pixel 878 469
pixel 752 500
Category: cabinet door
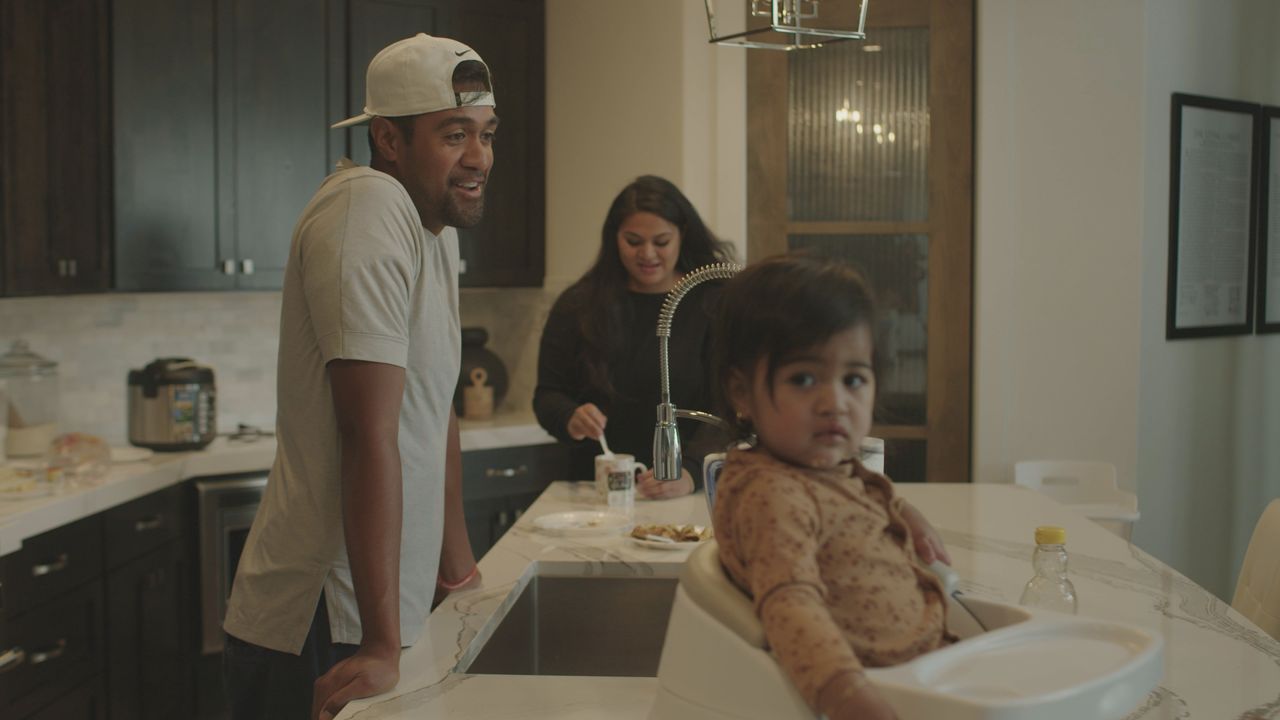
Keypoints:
pixel 506 249
pixel 147 621
pixel 61 646
pixel 165 221
pixel 54 158
pixel 373 25
pixel 87 702
pixel 273 129
pixel 499 484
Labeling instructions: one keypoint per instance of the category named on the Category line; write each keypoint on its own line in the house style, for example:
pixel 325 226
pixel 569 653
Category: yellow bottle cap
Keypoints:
pixel 1051 535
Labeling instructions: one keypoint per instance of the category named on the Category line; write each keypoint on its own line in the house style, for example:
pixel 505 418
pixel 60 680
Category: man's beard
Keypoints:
pixel 462 216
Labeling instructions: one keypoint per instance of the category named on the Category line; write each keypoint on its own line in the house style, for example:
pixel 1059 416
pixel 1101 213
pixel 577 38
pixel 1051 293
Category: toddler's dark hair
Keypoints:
pixel 778 306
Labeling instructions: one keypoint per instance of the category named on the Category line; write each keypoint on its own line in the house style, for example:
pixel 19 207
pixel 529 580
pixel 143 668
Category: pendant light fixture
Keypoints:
pixel 793 25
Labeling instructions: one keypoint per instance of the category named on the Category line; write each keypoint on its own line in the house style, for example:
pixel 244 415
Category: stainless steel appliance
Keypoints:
pixel 225 508
pixel 172 405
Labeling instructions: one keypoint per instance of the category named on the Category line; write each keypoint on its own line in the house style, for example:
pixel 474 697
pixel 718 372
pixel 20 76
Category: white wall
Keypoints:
pixel 633 89
pixel 1071 244
pixel 1209 414
pixel 1058 233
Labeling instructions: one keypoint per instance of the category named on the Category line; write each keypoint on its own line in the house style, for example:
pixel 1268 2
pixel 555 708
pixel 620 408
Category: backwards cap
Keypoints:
pixel 415 76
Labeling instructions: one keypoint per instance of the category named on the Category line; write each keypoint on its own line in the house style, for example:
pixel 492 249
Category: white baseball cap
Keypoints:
pixel 415 76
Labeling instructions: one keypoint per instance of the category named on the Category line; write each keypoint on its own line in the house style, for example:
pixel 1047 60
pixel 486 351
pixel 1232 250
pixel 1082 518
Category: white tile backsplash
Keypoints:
pixel 97 339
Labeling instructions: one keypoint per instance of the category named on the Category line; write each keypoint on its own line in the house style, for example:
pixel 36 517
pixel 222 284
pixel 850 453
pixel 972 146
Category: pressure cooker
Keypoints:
pixel 172 405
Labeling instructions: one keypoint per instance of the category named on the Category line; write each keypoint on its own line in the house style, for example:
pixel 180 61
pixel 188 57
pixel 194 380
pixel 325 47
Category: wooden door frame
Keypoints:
pixel 948 420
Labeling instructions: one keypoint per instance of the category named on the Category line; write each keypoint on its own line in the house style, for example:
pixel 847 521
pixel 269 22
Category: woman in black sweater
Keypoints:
pixel 598 360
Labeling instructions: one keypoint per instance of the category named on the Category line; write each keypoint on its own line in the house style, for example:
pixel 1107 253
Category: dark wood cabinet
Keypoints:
pixel 165 174
pixel 51 622
pixel 87 702
pixel 217 156
pixel 172 144
pixel 148 587
pixel 55 159
pixel 148 669
pixel 507 247
pixel 498 485
pixel 96 617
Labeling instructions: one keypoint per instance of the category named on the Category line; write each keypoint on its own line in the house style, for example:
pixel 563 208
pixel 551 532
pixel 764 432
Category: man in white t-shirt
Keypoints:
pixel 361 522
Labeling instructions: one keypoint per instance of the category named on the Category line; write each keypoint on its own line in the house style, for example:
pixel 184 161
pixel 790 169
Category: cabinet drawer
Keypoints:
pixel 143 524
pixel 51 563
pixel 511 471
pixel 51 649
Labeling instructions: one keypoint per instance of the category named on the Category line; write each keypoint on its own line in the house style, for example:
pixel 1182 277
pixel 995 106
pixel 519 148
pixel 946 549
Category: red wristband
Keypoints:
pixel 475 570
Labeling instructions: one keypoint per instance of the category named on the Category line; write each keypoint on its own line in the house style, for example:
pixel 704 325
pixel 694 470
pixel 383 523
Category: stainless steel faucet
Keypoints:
pixel 666 437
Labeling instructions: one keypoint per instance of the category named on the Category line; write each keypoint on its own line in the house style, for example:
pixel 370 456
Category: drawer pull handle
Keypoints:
pixel 53 567
pixel 506 472
pixel 10 659
pixel 53 653
pixel 155 522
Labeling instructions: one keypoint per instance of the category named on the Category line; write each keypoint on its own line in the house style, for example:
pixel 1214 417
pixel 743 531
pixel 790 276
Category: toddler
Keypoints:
pixel 837 564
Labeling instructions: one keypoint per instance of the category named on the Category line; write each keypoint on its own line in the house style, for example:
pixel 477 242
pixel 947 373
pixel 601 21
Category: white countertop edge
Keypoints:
pixel 502 431
pixel 22 519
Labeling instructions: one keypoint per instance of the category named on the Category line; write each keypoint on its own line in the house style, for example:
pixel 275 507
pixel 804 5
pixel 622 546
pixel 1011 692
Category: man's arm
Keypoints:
pixel 456 559
pixel 366 399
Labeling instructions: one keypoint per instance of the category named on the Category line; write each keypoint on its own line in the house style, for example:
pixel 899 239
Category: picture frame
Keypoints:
pixel 1268 251
pixel 1214 169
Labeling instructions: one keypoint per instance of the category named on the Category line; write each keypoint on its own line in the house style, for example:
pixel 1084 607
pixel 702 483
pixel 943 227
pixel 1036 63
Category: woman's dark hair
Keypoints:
pixel 777 307
pixel 597 295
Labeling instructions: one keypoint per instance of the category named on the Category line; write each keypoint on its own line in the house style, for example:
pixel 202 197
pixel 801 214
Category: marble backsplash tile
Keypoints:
pixel 97 339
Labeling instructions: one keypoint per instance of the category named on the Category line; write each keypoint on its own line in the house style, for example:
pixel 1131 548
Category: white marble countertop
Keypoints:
pixel 21 519
pixel 24 518
pixel 1217 664
pixel 507 429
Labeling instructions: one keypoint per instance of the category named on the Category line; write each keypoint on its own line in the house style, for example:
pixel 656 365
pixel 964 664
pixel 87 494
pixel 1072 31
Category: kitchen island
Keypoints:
pixel 1217 664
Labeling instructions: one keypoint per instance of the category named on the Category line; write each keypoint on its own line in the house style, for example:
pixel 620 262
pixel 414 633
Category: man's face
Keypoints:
pixel 446 165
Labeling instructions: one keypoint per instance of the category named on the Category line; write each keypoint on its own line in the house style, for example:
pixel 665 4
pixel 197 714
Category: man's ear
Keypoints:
pixel 386 138
pixel 739 390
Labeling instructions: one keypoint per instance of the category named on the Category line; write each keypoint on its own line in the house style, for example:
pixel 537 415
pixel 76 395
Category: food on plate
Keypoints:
pixel 674 533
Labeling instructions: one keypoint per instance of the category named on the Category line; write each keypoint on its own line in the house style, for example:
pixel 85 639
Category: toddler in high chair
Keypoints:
pixel 835 561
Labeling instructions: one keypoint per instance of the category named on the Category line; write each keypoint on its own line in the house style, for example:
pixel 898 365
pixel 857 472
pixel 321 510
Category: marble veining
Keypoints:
pixel 1217 665
pixel 1175 707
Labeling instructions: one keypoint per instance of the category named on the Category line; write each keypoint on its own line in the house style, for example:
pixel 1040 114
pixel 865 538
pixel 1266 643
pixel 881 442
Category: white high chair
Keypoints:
pixel 1028 665
pixel 1087 487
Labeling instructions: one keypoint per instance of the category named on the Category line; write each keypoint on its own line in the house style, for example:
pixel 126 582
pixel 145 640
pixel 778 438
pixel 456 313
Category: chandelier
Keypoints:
pixel 787 29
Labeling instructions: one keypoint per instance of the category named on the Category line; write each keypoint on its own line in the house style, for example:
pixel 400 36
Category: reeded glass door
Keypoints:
pixel 864 151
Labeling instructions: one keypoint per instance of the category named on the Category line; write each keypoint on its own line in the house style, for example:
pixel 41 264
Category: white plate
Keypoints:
pixel 659 545
pixel 581 522
pixel 130 454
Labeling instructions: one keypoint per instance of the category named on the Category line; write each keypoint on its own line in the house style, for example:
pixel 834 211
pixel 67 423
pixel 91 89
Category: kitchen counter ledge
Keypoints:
pixel 24 518
pixel 1217 663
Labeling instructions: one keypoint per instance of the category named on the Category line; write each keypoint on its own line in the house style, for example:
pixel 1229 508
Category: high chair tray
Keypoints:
pixel 1051 667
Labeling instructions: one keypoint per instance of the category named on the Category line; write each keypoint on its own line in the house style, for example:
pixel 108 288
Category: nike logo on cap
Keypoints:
pixel 460 54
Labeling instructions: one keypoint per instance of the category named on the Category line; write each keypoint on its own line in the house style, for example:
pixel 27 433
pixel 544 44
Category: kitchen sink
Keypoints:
pixel 599 625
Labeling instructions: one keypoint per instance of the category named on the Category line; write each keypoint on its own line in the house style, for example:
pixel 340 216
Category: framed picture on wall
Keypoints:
pixel 1213 180
pixel 1269 224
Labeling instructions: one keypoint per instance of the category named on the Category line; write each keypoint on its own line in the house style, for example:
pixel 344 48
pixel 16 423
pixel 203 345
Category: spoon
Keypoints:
pixel 604 445
pixel 950 581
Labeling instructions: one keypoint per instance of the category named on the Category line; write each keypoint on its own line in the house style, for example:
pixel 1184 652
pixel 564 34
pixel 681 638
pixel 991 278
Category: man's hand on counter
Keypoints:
pixel 369 672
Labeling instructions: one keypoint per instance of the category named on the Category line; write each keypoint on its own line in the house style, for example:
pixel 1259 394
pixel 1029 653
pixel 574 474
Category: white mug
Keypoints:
pixel 616 478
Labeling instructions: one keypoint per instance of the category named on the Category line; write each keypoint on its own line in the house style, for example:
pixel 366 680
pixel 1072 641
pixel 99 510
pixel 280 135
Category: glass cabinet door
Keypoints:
pixel 862 150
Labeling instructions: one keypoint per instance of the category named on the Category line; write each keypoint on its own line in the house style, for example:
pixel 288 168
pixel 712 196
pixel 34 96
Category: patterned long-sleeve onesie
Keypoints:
pixel 831 565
